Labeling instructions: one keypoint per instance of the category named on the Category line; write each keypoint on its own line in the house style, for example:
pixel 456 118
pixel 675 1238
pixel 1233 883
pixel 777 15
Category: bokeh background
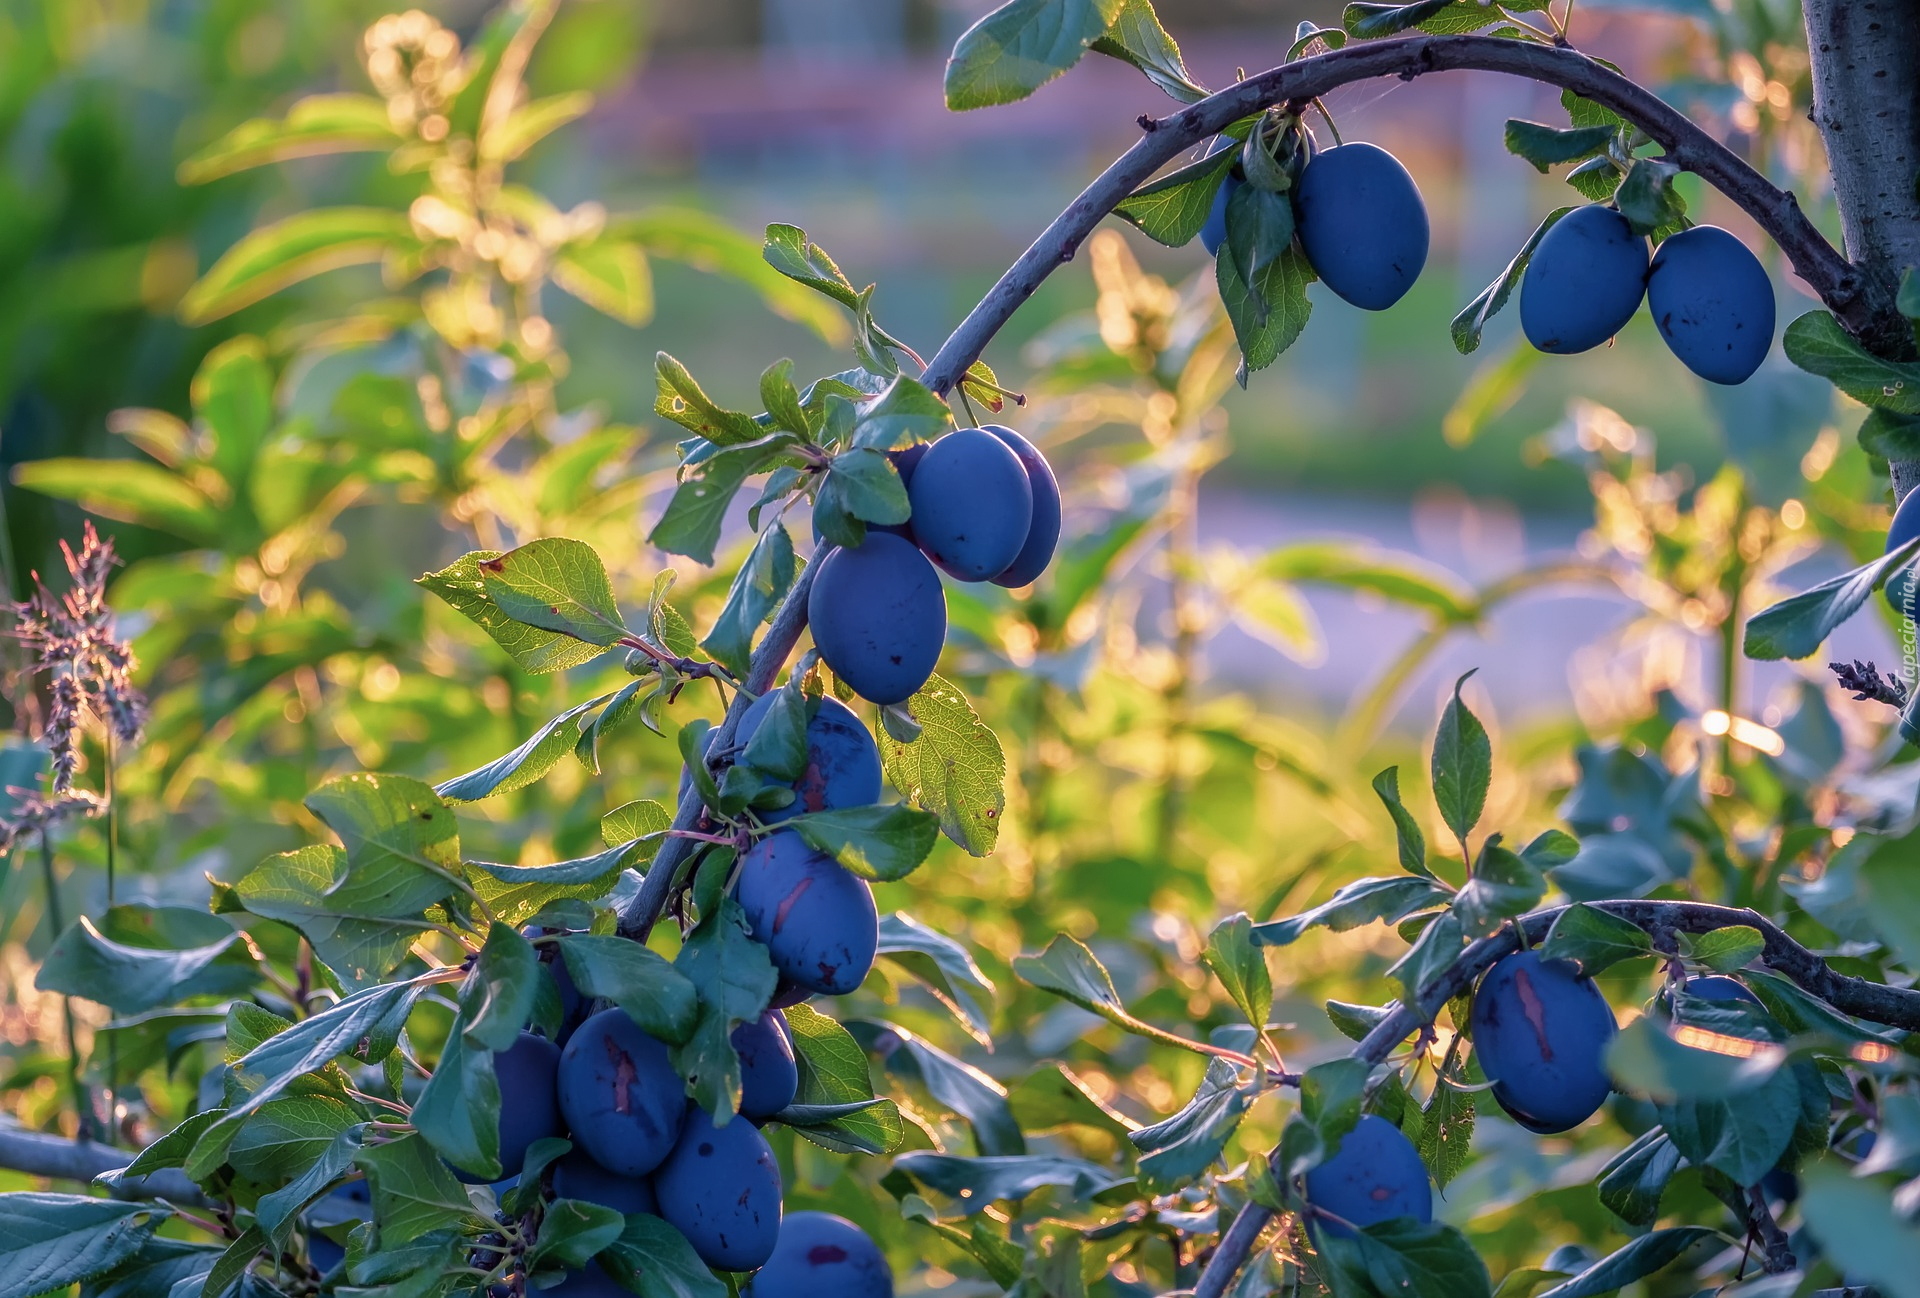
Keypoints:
pixel 827 114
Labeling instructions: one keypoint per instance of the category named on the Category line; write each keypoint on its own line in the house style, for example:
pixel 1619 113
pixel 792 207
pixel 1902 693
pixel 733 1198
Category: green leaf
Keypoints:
pixel 295 249
pixel 125 978
pixel 1472 320
pixel 864 483
pixel 694 517
pixel 295 888
pixel 509 139
pixel 1021 46
pixel 233 395
pixel 1172 209
pixel 705 242
pixel 1798 625
pixel 1412 843
pixel 1856 1219
pixel 1636 1261
pixel 881 843
pixel 1137 37
pixel 1648 199
pixel 1364 901
pixel 403 845
pixel 789 251
pixel 779 744
pixel 314 127
pixel 734 978
pixel 309 1045
pixel 946 968
pixel 159 1266
pixel 1181 1149
pixel 599 868
pixel 958 1086
pixel 1268 316
pixel 572 1231
pixel 905 412
pixel 1259 230
pixel 49 1241
pixel 1394 578
pixel 1403 1258
pixel 654 994
pixel 634 820
pixel 1330 1097
pixel 955 769
pixel 1819 345
pixel 1367 21
pixel 1594 939
pixel 462 585
pixel 1501 885
pixel 497 999
pixel 609 275
pixel 1496 383
pixel 1240 963
pixel 1053 1097
pixel 171 1150
pixel 1068 968
pixel 525 765
pixel 833 1071
pixel 132 491
pixel 1435 951
pixel 654 1260
pixel 1597 179
pixel 682 400
pixel 1645 1059
pixel 997 1256
pixel 1462 765
pixel 413 1192
pixel 978 1183
pixel 1632 1182
pixel 556 584
pixel 1446 1129
pixel 1724 950
pixel 275 1212
pixel 286 1136
pixel 1354 1022
pixel 782 399
pixel 1545 146
pixel 1890 435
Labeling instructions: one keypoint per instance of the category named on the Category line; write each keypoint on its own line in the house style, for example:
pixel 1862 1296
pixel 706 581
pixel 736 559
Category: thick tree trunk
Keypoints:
pixel 1866 102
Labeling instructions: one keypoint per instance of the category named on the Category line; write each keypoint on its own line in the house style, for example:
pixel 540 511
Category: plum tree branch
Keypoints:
pixel 1775 210
pixel 60 1159
pixel 1895 1007
pixel 771 655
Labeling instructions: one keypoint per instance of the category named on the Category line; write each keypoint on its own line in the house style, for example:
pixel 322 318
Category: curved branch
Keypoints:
pixel 791 619
pixel 59 1159
pixel 1895 1007
pixel 1776 210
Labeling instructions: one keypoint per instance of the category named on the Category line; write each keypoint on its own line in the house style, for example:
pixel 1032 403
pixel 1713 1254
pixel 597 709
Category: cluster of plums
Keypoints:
pixel 985 506
pixel 1709 295
pixel 1358 215
pixel 1540 1032
pixel 1900 587
pixel 640 1146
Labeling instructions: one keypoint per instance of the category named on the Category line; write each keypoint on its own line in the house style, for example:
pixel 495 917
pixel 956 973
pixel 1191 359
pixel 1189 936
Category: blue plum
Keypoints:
pixel 769 1074
pixel 1376 1175
pixel 1715 987
pixel 816 920
pixel 822 1256
pixel 843 763
pixel 577 1176
pixel 1361 223
pixel 787 993
pixel 879 617
pixel 1901 589
pixel 528 1073
pixel 721 1188
pixel 1713 303
pixel 1043 533
pixel 972 504
pixel 1584 282
pixel 1541 1033
pixel 623 1102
